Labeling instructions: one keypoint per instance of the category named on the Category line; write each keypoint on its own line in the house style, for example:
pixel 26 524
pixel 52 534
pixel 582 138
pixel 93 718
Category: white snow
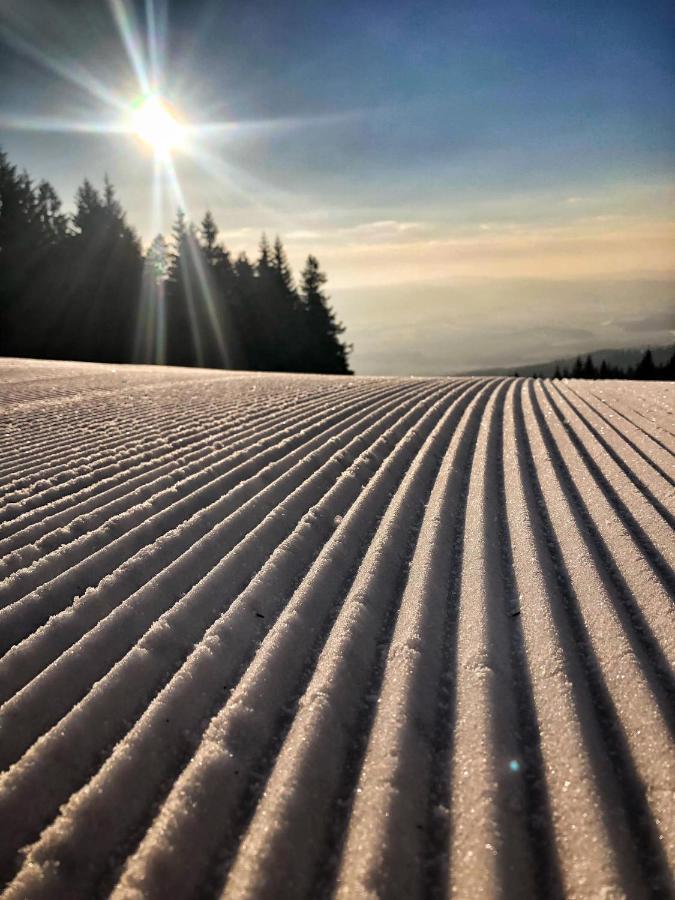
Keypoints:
pixel 272 635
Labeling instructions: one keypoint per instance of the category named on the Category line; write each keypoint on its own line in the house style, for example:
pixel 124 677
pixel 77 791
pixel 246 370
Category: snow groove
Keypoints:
pixel 288 636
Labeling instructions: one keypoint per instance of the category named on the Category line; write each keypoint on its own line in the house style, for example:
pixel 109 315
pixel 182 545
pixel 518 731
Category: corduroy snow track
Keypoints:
pixel 294 636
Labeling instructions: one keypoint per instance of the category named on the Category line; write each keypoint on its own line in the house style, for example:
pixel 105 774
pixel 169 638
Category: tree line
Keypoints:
pixel 80 287
pixel 645 370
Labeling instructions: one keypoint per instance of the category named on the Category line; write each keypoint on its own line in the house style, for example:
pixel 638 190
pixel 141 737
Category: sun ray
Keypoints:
pixel 150 335
pixel 244 128
pixel 58 124
pixel 243 184
pixel 70 70
pixel 157 195
pixel 172 177
pixel 209 300
pixel 128 29
pixel 202 275
pixel 179 198
pixel 156 30
pixel 197 341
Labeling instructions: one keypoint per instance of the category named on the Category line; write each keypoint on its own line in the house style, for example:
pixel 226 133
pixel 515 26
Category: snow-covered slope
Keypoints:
pixel 290 636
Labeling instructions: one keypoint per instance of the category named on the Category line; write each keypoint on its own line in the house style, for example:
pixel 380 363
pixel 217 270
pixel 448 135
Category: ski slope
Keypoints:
pixel 284 636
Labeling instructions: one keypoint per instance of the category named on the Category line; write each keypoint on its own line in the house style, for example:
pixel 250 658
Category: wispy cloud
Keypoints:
pixel 378 231
pixel 382 228
pixel 589 249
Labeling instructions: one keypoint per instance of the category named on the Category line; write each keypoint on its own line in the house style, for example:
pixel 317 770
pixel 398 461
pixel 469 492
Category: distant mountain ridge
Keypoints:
pixel 623 359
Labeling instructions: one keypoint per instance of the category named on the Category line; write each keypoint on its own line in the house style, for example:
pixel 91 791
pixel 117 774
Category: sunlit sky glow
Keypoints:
pixel 157 125
pixel 485 184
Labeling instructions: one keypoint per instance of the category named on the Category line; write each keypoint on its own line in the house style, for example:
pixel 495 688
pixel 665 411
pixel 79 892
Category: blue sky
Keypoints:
pixel 435 156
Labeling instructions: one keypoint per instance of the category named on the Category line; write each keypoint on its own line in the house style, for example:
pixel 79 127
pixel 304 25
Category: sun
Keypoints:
pixel 155 124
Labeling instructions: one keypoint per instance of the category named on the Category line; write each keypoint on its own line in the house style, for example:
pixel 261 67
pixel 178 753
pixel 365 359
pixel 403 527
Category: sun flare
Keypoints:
pixel 155 124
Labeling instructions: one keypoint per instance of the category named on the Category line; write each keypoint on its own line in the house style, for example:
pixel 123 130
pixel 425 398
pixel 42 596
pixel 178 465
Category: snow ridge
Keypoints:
pixel 288 636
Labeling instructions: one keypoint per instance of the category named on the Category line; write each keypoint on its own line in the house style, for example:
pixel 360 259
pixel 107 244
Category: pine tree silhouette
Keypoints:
pixel 182 337
pixel 290 314
pixel 325 352
pixel 667 370
pixel 209 234
pixel 588 369
pixel 78 287
pixel 32 234
pixel 645 369
pixel 104 284
pixel 150 340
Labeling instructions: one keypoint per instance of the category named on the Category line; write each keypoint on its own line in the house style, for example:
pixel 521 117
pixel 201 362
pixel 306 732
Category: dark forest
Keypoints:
pixel 79 287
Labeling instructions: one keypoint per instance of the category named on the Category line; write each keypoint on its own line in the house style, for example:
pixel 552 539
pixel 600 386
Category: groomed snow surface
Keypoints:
pixel 282 636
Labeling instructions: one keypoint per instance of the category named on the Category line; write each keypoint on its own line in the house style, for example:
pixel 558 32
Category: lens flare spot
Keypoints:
pixel 155 124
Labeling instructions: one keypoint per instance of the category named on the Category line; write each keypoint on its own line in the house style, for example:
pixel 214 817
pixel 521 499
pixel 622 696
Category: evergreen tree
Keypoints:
pixel 223 299
pixel 150 343
pixel 78 287
pixel 280 266
pixel 646 370
pixel 184 332
pixel 290 313
pixel 244 298
pixel 105 275
pixel 325 351
pixel 32 234
pixel 243 269
pixel 264 264
pixel 666 372
pixel 209 235
pixel 589 370
pixel 53 223
pixel 267 315
pixel 157 259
